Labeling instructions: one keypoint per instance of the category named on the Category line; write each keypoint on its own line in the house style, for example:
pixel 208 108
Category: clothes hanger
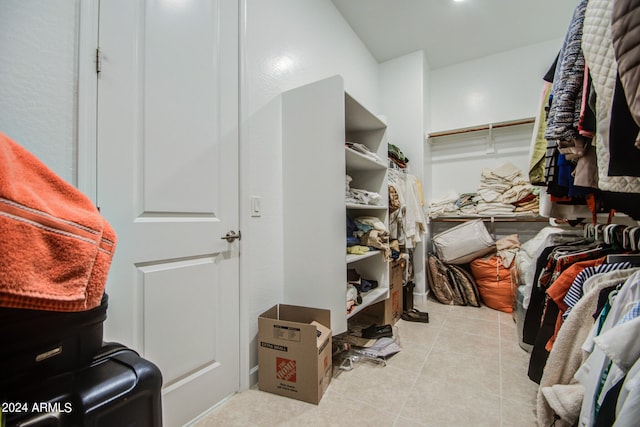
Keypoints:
pixel 634 235
pixel 589 231
pixel 612 234
pixel 630 242
pixel 626 238
pixel 606 234
pixel 599 231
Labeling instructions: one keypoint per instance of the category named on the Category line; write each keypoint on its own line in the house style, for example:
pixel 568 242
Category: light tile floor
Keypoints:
pixel 464 368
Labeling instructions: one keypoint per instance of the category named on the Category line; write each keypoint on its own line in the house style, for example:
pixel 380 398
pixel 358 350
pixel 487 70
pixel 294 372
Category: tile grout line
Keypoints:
pixel 404 403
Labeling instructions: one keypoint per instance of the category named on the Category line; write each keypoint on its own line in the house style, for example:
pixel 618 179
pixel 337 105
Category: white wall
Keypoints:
pixel 501 87
pixel 288 43
pixel 457 161
pixel 311 41
pixel 38 71
pixel 402 95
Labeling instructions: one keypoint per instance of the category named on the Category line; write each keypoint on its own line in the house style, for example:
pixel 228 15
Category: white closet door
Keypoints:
pixel 168 183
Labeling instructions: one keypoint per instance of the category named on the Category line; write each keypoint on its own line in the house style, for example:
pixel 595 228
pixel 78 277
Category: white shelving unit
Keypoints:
pixel 317 121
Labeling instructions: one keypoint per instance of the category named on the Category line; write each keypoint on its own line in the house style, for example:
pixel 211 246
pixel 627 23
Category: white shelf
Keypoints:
pixel 519 217
pixel 351 258
pixel 371 297
pixel 360 162
pixel 317 119
pixel 358 118
pixel 365 207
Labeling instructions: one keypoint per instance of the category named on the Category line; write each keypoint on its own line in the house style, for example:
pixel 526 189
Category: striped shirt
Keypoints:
pixel 575 291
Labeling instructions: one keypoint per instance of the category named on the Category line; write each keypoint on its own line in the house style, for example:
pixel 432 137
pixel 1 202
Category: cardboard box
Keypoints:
pixel 386 312
pixel 397 272
pixel 294 352
pixel 393 304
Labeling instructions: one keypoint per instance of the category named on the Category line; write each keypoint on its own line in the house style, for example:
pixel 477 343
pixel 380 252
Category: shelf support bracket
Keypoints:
pixel 490 147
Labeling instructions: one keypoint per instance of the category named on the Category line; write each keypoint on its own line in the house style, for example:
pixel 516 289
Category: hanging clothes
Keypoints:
pixel 583 311
pixel 542 314
pixel 544 267
pixel 619 192
pixel 557 383
pixel 613 347
pixel 408 222
pixel 592 130
pixel 564 113
pixel 624 156
pixel 576 291
pixel 567 385
pixel 561 286
pixel 625 18
pixel 538 142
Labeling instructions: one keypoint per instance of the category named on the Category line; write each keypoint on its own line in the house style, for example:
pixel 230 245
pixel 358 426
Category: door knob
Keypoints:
pixel 231 236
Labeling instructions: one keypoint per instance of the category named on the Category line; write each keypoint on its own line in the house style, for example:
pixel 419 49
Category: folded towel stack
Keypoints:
pixel 56 247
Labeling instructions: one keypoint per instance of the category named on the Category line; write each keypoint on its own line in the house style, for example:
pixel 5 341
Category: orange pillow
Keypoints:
pixel 496 284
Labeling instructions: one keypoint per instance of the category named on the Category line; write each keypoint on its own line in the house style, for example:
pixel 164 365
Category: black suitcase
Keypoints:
pixel 37 343
pixel 119 388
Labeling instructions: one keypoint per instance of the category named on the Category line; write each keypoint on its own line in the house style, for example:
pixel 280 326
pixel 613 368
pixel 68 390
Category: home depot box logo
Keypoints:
pixel 286 369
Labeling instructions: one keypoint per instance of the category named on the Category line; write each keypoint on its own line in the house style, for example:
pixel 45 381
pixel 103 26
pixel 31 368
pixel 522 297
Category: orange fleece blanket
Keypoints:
pixel 55 247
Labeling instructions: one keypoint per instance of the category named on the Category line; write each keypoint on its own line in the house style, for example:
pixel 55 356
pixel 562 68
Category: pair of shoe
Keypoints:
pixel 363 285
pixel 414 315
pixel 376 331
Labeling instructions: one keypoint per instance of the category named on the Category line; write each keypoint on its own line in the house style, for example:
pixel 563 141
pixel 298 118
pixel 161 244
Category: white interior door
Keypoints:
pixel 168 182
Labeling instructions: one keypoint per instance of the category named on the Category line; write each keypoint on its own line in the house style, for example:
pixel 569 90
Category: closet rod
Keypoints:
pixel 483 127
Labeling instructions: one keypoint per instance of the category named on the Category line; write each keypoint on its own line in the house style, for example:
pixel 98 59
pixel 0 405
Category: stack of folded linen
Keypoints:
pixel 494 208
pixel 444 206
pixel 530 203
pixel 502 191
pixel 359 196
pixel 504 188
pixel 397 157
pixel 505 184
pixel 364 150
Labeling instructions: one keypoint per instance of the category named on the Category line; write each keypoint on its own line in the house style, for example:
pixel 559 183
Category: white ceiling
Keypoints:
pixel 450 32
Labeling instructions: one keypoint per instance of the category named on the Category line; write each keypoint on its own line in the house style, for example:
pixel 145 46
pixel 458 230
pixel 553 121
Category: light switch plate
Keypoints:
pixel 256 206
